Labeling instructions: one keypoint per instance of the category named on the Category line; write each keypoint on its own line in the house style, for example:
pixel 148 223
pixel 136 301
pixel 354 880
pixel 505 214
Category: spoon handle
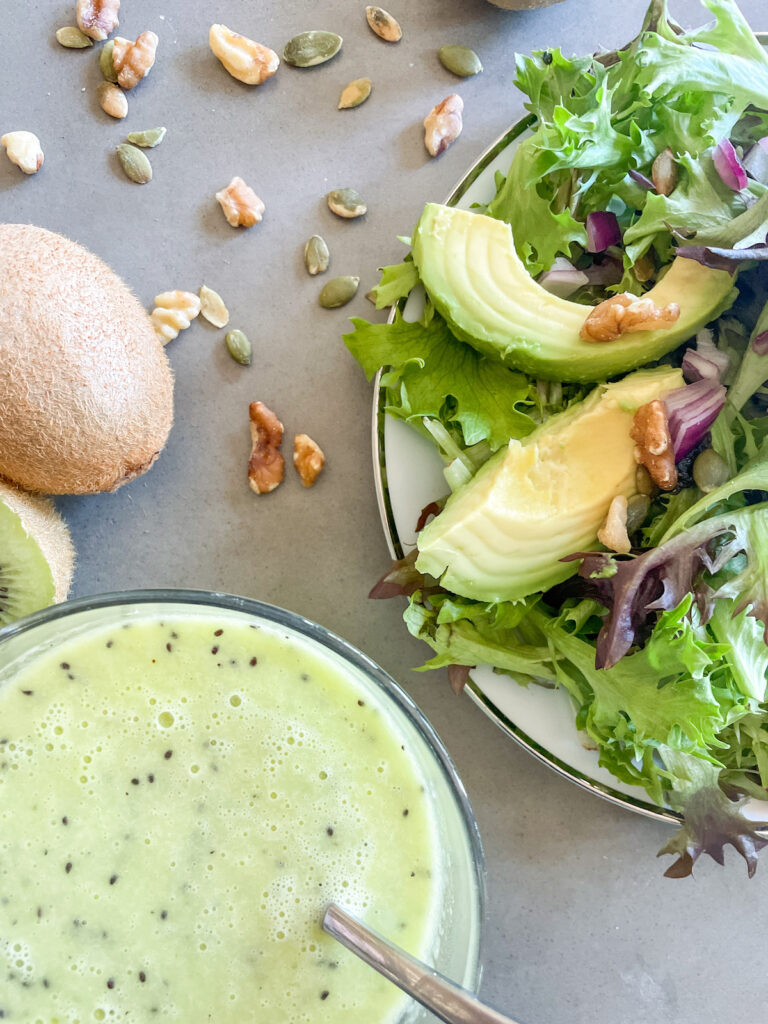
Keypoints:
pixel 447 1000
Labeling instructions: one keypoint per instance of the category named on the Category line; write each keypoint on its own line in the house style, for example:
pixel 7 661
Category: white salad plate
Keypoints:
pixel 409 475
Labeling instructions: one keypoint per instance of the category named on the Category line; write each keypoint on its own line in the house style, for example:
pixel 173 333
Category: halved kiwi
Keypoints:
pixel 36 554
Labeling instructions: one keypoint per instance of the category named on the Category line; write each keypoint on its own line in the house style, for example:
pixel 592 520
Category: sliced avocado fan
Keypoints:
pixel 473 275
pixel 36 554
pixel 501 536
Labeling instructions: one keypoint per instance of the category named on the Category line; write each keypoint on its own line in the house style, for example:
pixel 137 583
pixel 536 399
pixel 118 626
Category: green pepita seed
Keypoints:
pixel 338 292
pixel 710 470
pixel 316 255
pixel 147 139
pixel 637 509
pixel 383 24
pixel 239 347
pixel 135 163
pixel 105 61
pixel 460 60
pixel 310 48
pixel 212 307
pixel 71 37
pixel 644 483
pixel 371 296
pixel 346 202
pixel 355 93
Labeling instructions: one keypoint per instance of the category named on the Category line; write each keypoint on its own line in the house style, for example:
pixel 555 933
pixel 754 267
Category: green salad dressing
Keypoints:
pixel 178 801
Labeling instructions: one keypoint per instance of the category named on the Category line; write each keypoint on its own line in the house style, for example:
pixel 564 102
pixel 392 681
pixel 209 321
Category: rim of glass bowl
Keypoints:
pixel 324 638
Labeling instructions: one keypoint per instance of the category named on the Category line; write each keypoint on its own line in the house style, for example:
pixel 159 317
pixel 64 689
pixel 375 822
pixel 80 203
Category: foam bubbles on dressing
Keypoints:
pixel 179 802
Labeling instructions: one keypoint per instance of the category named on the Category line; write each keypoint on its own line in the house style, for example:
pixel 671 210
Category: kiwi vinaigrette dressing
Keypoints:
pixel 178 801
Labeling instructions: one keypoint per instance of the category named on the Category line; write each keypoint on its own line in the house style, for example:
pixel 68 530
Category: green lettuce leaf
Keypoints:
pixel 430 373
pixel 397 282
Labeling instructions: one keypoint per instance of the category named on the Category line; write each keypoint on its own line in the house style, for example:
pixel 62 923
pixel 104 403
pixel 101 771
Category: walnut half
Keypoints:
pixel 653 444
pixel 97 18
pixel 134 61
pixel 266 466
pixel 627 314
pixel 308 458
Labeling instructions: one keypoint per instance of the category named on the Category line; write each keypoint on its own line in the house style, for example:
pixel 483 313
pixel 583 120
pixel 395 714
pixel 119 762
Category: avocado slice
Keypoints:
pixel 500 537
pixel 475 279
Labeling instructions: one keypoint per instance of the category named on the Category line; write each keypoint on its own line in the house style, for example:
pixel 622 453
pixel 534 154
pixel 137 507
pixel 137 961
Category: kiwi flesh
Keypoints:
pixel 36 554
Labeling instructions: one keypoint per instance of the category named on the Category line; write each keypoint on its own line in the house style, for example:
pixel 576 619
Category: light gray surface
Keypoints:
pixel 581 925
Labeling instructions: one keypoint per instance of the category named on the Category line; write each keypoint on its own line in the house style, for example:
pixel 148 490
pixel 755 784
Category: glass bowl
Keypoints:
pixel 456 914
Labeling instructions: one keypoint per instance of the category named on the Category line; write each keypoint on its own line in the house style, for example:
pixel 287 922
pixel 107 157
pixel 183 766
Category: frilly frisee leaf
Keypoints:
pixel 659 694
pixel 541 231
pixel 432 374
pixel 481 636
pixel 700 203
pixel 711 821
pixel 735 67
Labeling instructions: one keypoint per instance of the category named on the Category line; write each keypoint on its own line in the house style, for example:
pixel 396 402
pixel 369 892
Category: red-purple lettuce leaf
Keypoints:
pixel 722 259
pixel 659 579
pixel 711 819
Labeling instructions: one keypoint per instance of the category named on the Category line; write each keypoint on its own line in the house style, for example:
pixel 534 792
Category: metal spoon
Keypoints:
pixel 447 1000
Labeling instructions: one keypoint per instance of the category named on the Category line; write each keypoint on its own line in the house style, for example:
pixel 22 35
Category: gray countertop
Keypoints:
pixel 581 925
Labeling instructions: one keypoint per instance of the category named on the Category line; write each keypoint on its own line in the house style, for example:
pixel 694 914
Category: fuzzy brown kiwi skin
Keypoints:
pixel 87 390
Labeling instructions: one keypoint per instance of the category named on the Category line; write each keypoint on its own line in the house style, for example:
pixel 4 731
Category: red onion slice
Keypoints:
pixel 728 166
pixel 691 411
pixel 697 367
pixel 562 278
pixel 602 231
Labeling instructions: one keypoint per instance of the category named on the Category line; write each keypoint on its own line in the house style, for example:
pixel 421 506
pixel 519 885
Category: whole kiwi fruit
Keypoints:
pixel 86 391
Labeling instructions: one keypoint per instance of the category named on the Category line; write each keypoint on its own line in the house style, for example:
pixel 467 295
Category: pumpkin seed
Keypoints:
pixel 710 470
pixel 383 24
pixel 644 483
pixel 106 63
pixel 71 37
pixel 316 255
pixel 355 93
pixel 637 509
pixel 338 292
pixel 239 347
pixel 147 139
pixel 346 202
pixel 460 60
pixel 371 296
pixel 212 307
pixel 310 48
pixel 134 163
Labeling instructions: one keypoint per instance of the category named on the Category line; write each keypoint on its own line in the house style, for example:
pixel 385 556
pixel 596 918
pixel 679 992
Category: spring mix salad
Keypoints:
pixel 635 158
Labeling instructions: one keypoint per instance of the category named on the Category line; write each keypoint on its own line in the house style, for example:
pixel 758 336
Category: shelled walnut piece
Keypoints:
pixel 308 459
pixel 653 444
pixel 97 18
pixel 174 312
pixel 133 61
pixel 24 150
pixel 244 59
pixel 443 124
pixel 266 466
pixel 627 314
pixel 240 204
pixel 613 533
